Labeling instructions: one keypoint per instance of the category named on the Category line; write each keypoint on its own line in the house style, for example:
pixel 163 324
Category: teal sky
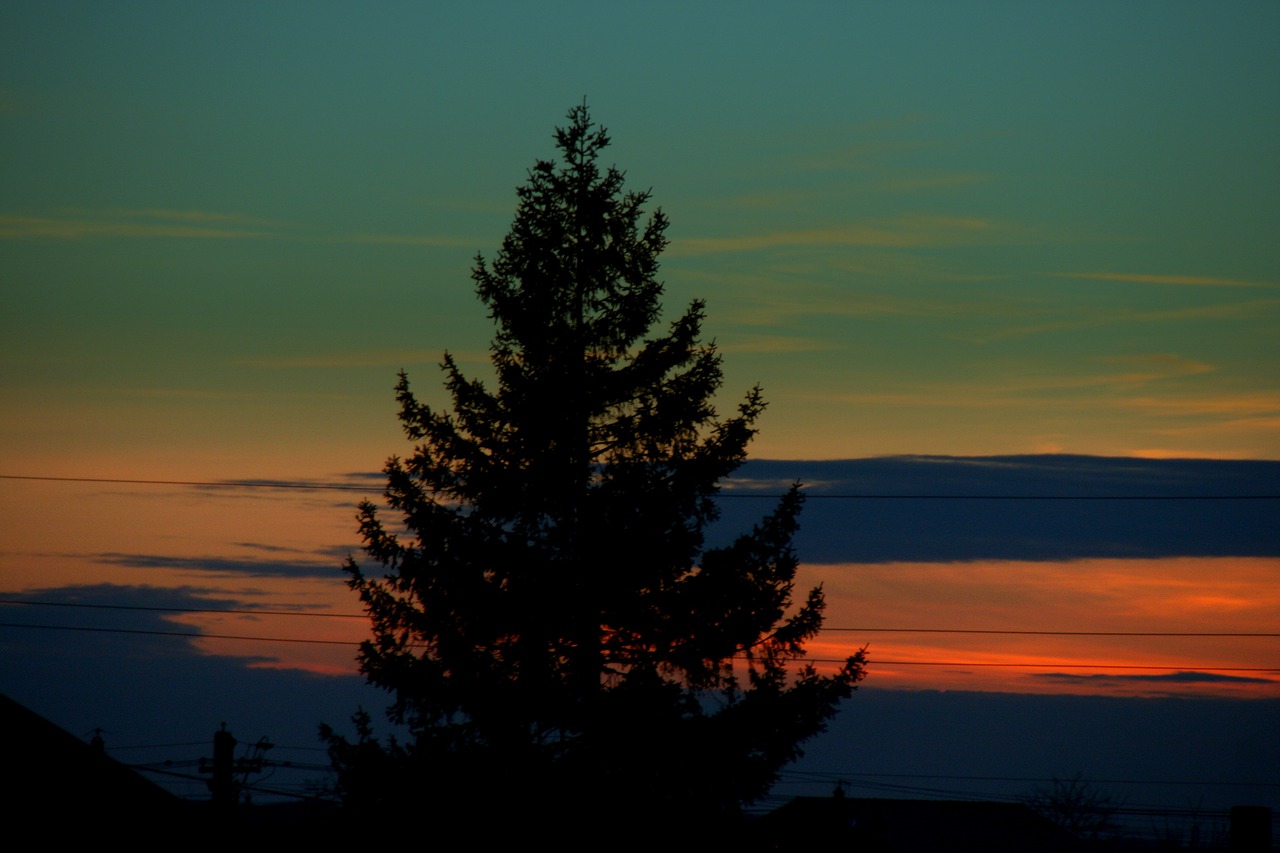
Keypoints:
pixel 952 228
pixel 958 228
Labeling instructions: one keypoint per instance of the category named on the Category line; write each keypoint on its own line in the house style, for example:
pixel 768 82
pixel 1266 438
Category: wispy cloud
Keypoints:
pixel 1172 453
pixel 776 344
pixel 216 395
pixel 1022 386
pixel 1146 368
pixel 772 294
pixel 809 200
pixel 774 200
pixel 1181 678
pixel 413 240
pixel 220 565
pixel 1153 278
pixel 1220 311
pixel 904 232
pixel 859 155
pixel 155 222
pixel 11 103
pixel 922 183
pixel 66 228
pixel 367 358
pixel 77 223
pixel 1235 405
pixel 1098 319
pixel 768 309
pixel 869 143
pixel 171 215
pixel 1251 421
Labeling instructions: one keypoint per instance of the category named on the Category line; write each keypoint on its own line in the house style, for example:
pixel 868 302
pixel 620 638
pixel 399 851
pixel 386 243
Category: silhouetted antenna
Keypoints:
pixel 96 743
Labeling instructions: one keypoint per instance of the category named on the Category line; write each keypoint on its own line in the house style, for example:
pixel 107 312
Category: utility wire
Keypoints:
pixel 220 484
pixel 989 497
pixel 873 661
pixel 186 634
pixel 1233 634
pixel 834 776
pixel 1051 665
pixel 1038 633
pixel 264 484
pixel 153 609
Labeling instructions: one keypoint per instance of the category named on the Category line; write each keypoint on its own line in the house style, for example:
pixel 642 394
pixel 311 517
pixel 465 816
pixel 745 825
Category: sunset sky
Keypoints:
pixel 926 229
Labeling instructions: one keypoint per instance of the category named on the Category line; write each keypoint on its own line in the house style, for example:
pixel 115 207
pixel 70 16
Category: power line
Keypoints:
pixel 1053 665
pixel 833 776
pixel 990 497
pixel 187 634
pixel 873 661
pixel 223 484
pixel 998 632
pixel 127 747
pixel 289 485
pixel 1233 634
pixel 154 609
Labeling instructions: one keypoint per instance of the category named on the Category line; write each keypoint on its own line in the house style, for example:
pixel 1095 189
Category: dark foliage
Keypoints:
pixel 1081 808
pixel 559 642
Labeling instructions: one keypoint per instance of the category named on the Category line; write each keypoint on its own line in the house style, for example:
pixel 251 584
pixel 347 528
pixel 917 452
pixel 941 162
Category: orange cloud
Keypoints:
pixel 1238 405
pixel 1157 596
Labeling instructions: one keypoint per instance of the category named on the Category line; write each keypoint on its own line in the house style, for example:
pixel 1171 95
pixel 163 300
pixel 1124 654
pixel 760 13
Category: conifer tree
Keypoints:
pixel 547 616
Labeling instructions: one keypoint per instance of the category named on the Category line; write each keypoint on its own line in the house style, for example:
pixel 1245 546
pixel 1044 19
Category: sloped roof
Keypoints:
pixel 55 776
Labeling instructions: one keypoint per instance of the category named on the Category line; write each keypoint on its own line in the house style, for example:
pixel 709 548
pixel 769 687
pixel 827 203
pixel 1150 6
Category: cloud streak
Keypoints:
pixel 905 232
pixel 36 227
pixel 1239 405
pixel 1101 387
pixel 413 240
pixel 1248 311
pixel 368 358
pixel 190 224
pixel 221 565
pixel 1154 278
pixel 959 509
pixel 172 215
pixel 1171 678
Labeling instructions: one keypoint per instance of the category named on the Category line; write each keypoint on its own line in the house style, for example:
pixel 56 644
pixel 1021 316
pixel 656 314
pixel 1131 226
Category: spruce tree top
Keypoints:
pixel 548 604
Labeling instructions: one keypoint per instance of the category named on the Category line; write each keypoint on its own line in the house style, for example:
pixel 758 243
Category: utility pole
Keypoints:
pixel 222 785
pixel 225 768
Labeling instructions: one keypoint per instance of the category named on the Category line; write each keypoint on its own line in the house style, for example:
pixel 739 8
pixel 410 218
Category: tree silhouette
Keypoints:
pixel 1078 806
pixel 548 618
